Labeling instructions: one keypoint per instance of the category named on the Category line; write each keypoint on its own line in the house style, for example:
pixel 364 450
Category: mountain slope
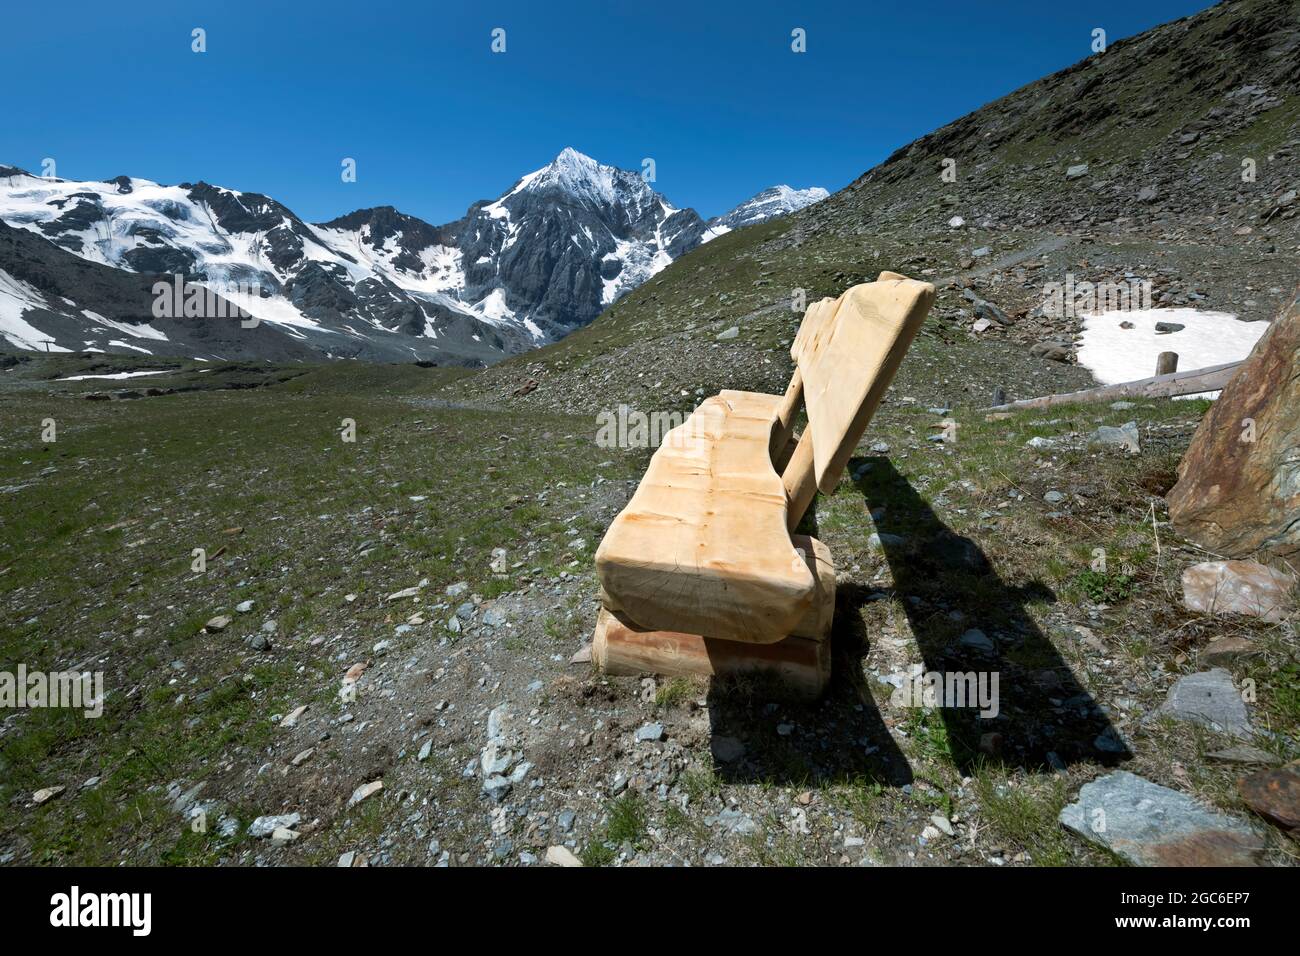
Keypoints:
pixel 543 259
pixel 1164 123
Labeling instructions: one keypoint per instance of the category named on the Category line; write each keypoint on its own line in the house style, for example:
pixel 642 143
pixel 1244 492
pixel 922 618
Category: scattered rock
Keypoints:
pixel 1125 436
pixel 1225 651
pixel 726 749
pixel 1238 587
pixel 1052 350
pixel 1243 754
pixel 291 720
pixel 1274 794
pixel 244 607
pixel 1076 172
pixel 730 333
pixel 1209 699
pixel 650 732
pixel 880 541
pixel 365 791
pixel 733 820
pixel 46 794
pixel 561 856
pixel 218 623
pixel 263 827
pixel 1151 825
pixel 977 640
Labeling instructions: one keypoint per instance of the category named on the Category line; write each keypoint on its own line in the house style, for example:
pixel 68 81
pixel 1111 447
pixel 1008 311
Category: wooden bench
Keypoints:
pixel 702 573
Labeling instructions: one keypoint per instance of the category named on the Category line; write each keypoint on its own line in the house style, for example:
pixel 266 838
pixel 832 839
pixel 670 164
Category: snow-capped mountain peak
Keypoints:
pixel 770 203
pixel 546 257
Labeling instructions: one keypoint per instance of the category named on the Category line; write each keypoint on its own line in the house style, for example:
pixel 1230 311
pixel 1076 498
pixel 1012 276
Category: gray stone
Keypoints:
pixel 1243 754
pixel 650 732
pixel 1109 741
pixel 733 821
pixel 1209 699
pixel 977 640
pixel 263 827
pixel 494 617
pixel 1054 497
pixel 1075 172
pixel 1150 825
pixel 730 333
pixel 726 749
pixel 497 787
pixel 1125 436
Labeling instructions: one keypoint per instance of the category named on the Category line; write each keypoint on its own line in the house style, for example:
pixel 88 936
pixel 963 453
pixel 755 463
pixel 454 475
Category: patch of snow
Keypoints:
pixel 82 378
pixel 1114 354
pixel 135 331
pixel 16 297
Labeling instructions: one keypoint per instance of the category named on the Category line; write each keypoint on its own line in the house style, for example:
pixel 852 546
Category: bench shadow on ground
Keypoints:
pixel 839 738
pixel 947 587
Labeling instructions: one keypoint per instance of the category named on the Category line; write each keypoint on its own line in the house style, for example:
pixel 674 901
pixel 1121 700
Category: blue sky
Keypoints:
pixel 434 119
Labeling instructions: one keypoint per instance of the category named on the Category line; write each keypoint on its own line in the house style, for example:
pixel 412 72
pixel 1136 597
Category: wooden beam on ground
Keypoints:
pixel 1161 386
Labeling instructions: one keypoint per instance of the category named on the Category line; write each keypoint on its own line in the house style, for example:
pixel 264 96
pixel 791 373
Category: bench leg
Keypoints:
pixel 803 664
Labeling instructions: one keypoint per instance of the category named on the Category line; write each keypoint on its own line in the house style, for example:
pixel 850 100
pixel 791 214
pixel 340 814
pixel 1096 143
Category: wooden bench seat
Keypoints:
pixel 701 562
pixel 702 547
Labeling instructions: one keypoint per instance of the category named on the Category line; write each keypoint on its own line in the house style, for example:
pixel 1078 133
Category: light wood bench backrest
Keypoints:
pixel 846 353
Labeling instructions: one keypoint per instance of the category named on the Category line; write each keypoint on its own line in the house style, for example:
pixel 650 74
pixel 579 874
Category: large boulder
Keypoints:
pixel 1238 489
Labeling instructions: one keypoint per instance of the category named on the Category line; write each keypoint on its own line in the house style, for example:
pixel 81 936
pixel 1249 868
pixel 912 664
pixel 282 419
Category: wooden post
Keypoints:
pixel 783 427
pixel 1166 363
pixel 800 480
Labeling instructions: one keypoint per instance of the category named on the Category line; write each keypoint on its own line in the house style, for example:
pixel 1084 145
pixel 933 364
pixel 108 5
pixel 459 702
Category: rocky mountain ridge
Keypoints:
pixel 564 242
